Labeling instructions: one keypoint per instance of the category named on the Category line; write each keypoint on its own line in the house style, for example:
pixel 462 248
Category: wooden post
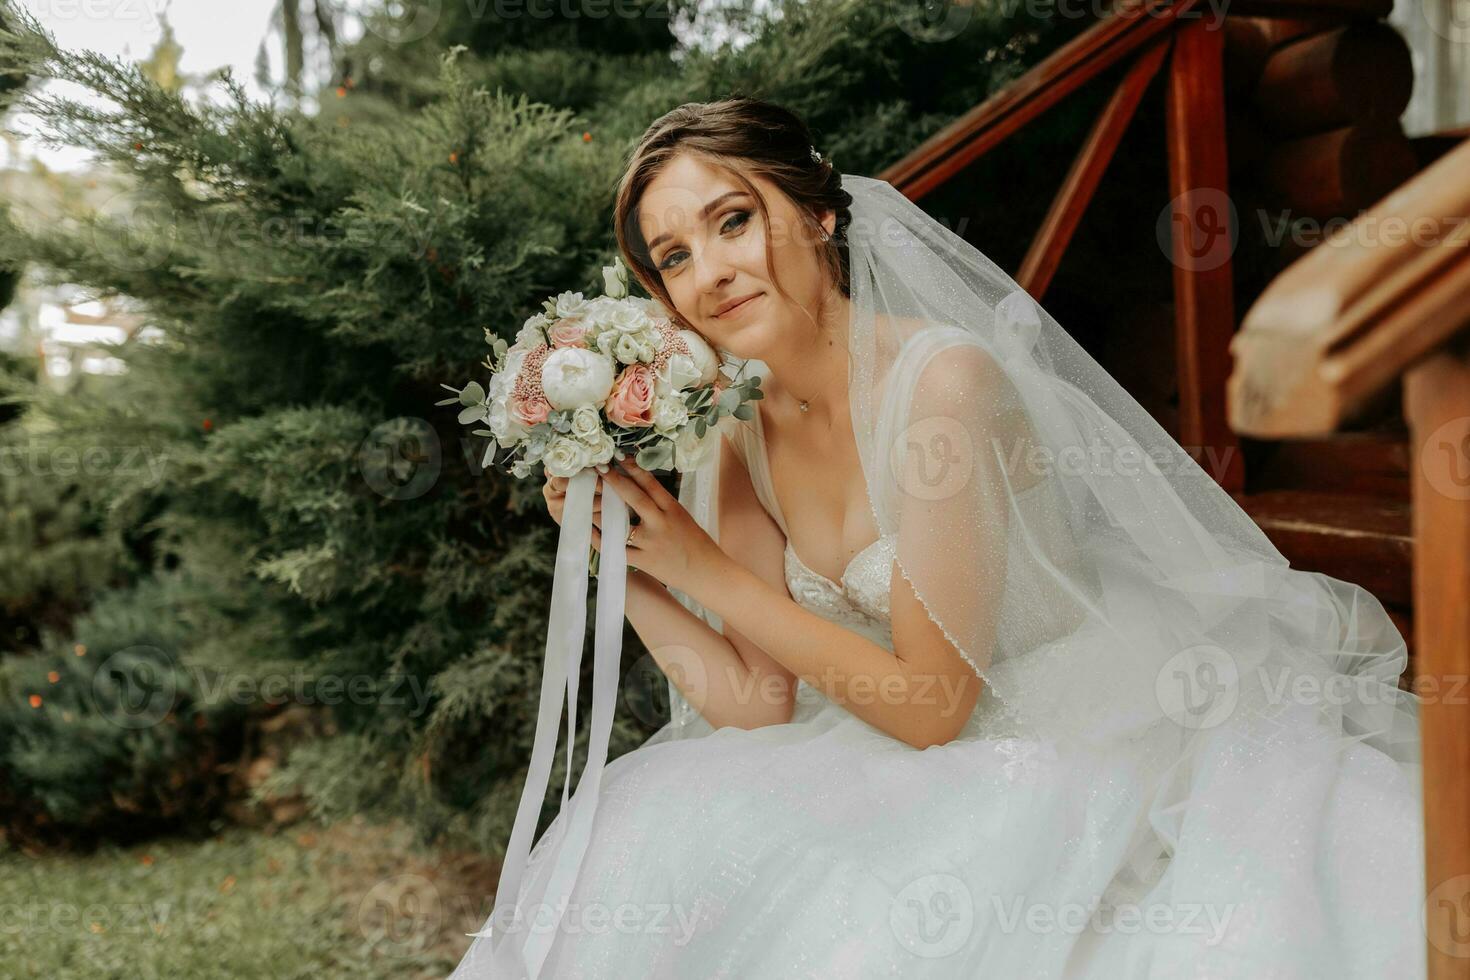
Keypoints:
pixel 1202 239
pixel 1437 408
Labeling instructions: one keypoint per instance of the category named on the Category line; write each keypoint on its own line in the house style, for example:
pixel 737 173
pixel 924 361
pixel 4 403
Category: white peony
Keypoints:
pixel 504 425
pixel 705 358
pixel 567 456
pixel 669 412
pixel 574 376
pixel 690 451
pixel 586 423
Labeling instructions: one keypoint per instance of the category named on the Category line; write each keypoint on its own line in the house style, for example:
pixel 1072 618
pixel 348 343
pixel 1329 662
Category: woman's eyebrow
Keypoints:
pixel 703 214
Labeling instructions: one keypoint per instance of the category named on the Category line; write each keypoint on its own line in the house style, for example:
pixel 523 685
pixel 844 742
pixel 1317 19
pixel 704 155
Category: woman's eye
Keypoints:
pixel 736 220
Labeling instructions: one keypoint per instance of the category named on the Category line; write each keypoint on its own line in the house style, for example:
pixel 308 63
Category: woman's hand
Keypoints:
pixel 555 492
pixel 667 542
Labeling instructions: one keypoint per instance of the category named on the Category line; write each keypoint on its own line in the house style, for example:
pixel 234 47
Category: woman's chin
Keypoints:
pixel 748 340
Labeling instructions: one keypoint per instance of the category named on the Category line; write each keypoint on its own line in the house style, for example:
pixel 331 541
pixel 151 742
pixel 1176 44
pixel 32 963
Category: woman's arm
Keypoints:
pixel 921 696
pixel 728 678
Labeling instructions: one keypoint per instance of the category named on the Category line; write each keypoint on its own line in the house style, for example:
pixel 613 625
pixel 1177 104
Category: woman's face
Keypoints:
pixel 708 244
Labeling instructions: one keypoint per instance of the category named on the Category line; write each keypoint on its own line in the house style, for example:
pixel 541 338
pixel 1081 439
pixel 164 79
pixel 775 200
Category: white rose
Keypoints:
pixel 629 318
pixel 570 304
pixel 574 376
pixel 567 456
pixel 678 373
pixel 615 279
pixel 705 358
pixel 602 448
pixel 690 450
pixel 656 310
pixel 530 334
pixel 627 349
pixel 586 423
pixel 669 413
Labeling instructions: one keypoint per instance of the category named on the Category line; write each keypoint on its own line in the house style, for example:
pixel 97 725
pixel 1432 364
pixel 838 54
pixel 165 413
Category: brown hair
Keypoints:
pixel 739 136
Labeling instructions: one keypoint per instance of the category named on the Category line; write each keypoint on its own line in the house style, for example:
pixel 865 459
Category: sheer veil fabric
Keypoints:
pixel 1118 605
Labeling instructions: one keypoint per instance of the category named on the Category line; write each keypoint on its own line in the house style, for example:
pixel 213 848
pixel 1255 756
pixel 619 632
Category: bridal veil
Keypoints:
pixel 1093 575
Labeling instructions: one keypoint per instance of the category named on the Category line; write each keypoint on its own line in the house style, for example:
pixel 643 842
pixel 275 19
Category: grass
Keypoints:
pixel 351 900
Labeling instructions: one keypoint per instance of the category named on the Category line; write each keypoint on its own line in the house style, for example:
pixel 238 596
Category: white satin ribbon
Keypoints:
pixel 520 946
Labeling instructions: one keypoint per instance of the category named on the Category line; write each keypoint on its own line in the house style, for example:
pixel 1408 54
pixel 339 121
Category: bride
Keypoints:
pixel 975 673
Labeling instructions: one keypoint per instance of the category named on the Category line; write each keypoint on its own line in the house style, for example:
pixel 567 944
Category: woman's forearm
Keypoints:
pixel 702 663
pixel 851 670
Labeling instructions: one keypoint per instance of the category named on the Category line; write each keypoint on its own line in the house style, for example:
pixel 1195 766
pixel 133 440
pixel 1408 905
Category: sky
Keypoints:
pixel 212 33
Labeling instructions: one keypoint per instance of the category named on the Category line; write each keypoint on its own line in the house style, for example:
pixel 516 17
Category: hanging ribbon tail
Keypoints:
pixel 520 940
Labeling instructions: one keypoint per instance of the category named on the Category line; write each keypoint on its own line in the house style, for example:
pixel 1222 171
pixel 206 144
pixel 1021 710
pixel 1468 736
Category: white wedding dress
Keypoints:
pixel 824 848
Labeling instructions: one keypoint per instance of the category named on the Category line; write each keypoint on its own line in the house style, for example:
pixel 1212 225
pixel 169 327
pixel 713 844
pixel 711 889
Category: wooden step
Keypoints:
pixel 1361 539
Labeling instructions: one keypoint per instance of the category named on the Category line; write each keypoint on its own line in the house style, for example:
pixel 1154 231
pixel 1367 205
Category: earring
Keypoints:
pixel 825 236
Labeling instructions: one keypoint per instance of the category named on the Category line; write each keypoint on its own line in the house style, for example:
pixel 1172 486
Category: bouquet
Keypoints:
pixel 591 380
pixel 588 381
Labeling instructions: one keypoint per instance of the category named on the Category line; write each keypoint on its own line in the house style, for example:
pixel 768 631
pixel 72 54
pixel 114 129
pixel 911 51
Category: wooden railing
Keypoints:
pixel 1340 325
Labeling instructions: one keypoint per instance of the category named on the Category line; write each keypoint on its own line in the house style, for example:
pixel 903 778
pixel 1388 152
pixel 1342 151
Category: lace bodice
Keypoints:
pixel 860 601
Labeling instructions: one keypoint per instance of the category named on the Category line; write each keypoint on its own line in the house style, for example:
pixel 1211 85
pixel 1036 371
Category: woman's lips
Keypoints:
pixel 732 311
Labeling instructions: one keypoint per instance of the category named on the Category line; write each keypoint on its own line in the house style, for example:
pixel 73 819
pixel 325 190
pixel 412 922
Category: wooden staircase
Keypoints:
pixel 1286 108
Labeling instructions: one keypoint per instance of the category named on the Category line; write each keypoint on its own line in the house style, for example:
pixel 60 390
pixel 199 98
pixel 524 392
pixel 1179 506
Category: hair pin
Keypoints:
pixel 816 157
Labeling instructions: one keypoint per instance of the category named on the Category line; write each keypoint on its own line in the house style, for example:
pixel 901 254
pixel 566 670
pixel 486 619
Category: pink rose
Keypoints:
pixel 570 332
pixel 531 411
pixel 631 401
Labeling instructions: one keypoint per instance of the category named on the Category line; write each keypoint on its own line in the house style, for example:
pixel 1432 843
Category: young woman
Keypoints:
pixel 975 672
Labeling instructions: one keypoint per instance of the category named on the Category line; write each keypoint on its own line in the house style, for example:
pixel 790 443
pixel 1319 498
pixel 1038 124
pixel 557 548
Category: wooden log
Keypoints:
pixel 1339 10
pixel 1247 45
pixel 1246 143
pixel 1334 174
pixel 1356 73
pixel 1284 30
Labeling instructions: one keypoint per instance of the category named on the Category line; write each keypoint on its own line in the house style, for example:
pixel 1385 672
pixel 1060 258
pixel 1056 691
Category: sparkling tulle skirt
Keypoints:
pixel 824 848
